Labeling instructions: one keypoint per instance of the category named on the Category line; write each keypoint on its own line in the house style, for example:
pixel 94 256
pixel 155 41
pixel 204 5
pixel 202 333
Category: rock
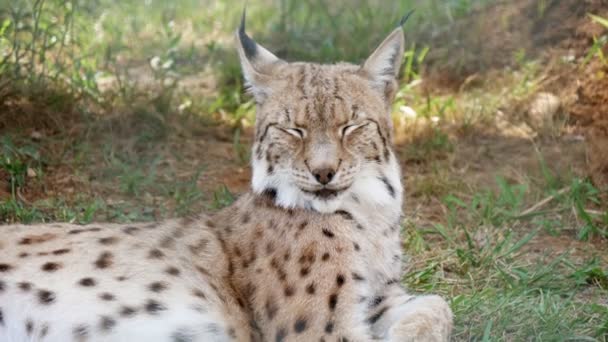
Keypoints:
pixel 31 173
pixel 543 112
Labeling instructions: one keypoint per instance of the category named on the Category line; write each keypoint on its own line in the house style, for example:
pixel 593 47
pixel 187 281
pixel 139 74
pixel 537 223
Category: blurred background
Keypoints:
pixel 134 111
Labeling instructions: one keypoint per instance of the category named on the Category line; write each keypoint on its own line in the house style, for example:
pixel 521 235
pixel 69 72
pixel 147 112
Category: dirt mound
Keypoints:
pixel 560 34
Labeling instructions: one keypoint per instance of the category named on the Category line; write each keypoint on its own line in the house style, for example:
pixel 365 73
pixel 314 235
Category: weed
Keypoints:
pixel 13 210
pixel 598 43
pixel 19 162
pixel 222 197
pixel 186 194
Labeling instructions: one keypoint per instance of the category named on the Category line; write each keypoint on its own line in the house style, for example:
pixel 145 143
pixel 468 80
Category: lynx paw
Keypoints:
pixel 426 318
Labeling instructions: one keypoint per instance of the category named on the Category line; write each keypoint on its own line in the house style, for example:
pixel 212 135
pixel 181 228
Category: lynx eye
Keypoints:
pixel 349 128
pixel 296 132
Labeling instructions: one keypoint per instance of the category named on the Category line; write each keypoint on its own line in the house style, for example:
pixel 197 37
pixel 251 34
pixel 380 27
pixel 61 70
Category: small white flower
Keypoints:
pixel 155 62
pixel 434 119
pixel 168 64
pixel 408 112
pixel 185 105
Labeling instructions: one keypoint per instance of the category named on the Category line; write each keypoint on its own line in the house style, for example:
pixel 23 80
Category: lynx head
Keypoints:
pixel 323 133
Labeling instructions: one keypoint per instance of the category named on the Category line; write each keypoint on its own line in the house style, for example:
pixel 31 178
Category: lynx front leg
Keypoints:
pixel 398 317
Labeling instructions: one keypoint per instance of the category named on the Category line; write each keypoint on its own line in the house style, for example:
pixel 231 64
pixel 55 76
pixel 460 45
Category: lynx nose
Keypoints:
pixel 324 175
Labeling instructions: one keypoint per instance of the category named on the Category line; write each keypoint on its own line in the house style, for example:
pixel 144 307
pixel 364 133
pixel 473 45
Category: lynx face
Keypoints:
pixel 323 132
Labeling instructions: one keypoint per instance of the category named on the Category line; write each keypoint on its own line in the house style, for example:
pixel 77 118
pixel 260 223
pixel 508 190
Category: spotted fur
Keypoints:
pixel 311 253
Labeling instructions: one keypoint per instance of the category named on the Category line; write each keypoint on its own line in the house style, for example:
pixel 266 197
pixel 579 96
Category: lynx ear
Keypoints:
pixel 257 63
pixel 382 67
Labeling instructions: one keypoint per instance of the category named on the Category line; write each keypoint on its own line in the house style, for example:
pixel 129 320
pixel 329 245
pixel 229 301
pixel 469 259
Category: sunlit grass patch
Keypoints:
pixel 501 288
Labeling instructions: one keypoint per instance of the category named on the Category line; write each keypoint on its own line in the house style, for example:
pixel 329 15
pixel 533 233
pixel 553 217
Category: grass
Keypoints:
pixel 501 288
pixel 599 43
pixel 134 111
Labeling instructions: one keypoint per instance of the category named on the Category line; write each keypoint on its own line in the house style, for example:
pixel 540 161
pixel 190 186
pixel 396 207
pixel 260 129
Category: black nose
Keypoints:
pixel 324 176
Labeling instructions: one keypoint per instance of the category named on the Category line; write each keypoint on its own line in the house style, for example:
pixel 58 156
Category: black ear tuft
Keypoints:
pixel 405 18
pixel 249 45
pixel 257 63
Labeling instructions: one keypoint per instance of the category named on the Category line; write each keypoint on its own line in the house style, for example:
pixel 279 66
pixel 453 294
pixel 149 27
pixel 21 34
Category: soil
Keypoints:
pixel 560 35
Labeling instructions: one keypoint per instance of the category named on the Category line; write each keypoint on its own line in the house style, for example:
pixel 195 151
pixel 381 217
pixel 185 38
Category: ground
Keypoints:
pixel 503 139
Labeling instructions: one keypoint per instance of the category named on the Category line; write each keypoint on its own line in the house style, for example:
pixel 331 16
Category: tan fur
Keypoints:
pixel 312 253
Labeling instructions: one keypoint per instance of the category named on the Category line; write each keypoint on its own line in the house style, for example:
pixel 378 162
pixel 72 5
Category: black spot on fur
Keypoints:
pixel 1 318
pixel 5 267
pixel 356 246
pixel 392 282
pixel 182 335
pixel 240 301
pixel 153 307
pixel 2 286
pixel 300 325
pixel 328 233
pixel 345 214
pixel 198 293
pixel 127 311
pixel 44 330
pixel 357 277
pixel 289 291
pixel 281 334
pixel 107 296
pixel 174 271
pixel 376 301
pixel 158 286
pixel 46 297
pixel 110 240
pixel 80 332
pixel 61 251
pixel 104 260
pixel 325 256
pixel 87 282
pixel 107 323
pixel 329 327
pixel 245 218
pixel 24 286
pixel 310 289
pixel 333 301
pixel 50 267
pixel 203 271
pixel 29 326
pixel 155 254
pixel 271 309
pixel 375 317
pixel 130 230
pixel 340 280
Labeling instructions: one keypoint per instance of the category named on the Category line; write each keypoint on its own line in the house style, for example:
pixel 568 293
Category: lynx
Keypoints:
pixel 311 253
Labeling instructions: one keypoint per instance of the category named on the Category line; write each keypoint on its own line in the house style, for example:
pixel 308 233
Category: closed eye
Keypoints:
pixel 296 132
pixel 346 130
